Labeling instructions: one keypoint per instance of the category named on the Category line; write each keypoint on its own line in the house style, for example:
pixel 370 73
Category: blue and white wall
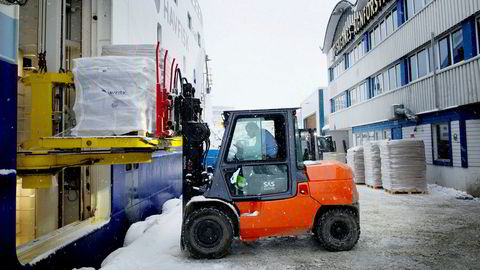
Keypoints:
pixel 423 54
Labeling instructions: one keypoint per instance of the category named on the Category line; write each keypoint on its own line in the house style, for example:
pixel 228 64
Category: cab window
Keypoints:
pixel 257 139
pixel 257 180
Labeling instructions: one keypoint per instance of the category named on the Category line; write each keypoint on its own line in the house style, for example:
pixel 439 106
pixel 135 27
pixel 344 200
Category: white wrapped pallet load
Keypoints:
pixel 356 161
pixel 115 95
pixel 373 173
pixel 403 166
pixel 340 157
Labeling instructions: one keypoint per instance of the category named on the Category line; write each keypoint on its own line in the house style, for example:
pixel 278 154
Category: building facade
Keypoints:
pixel 314 110
pixel 401 69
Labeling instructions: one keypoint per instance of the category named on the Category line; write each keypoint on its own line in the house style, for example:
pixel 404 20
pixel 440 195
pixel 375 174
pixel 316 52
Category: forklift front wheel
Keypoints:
pixel 208 233
pixel 338 229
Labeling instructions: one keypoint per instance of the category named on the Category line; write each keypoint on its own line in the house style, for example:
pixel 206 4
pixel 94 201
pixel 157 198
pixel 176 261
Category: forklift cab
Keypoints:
pixel 258 160
pixel 260 188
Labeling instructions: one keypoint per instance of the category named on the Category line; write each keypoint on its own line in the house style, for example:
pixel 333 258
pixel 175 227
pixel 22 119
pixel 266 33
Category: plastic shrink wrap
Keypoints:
pixel 115 95
pixel 403 165
pixel 356 161
pixel 373 173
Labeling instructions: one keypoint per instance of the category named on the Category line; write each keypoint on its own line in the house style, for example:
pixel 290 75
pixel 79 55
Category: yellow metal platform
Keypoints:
pixel 44 155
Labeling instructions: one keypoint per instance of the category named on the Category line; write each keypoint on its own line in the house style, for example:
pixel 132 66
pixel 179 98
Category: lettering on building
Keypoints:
pixel 357 22
pixel 172 19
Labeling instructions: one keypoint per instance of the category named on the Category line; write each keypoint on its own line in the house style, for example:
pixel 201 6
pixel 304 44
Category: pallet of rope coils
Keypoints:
pixel 403 166
pixel 356 161
pixel 373 172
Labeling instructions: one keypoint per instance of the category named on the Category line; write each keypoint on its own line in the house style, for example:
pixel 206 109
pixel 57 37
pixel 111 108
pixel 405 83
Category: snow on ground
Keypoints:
pixel 429 231
pixel 7 172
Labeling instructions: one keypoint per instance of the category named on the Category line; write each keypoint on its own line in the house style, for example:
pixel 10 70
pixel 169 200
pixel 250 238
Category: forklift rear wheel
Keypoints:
pixel 338 229
pixel 208 233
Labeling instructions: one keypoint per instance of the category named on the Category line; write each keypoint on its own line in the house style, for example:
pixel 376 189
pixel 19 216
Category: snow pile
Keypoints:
pixel 115 95
pixel 450 192
pixel 403 165
pixel 155 244
pixel 373 173
pixel 356 161
pixel 7 172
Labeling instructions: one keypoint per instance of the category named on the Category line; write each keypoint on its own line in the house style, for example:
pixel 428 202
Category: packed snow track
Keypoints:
pixel 439 230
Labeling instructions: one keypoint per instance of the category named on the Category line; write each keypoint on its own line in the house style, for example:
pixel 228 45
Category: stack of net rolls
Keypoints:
pixel 356 161
pixel 373 172
pixel 403 165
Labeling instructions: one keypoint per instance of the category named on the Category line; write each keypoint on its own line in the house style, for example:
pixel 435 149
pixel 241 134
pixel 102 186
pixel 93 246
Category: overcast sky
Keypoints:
pixel 265 53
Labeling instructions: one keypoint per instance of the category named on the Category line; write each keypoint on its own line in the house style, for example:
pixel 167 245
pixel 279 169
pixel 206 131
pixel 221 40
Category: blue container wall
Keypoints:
pixel 8 142
pixel 136 194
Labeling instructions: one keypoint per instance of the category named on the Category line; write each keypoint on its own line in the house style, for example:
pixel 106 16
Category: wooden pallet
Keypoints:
pixel 409 192
pixel 375 187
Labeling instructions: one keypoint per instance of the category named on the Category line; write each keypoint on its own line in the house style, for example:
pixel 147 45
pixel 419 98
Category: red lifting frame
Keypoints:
pixel 162 97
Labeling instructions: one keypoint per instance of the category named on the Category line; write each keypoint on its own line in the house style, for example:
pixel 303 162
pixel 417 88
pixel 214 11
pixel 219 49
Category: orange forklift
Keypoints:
pixel 260 186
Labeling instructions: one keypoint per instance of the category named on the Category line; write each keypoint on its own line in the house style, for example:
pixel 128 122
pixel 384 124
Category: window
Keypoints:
pixel 378 37
pixel 389 25
pixel 444 52
pixel 457 46
pixel 399 75
pixel 391 77
pixel 441 143
pixel 371 40
pixel 379 84
pixel 394 20
pixel 383 30
pixel 258 138
pixel 419 4
pixel 423 63
pixel 478 35
pixel 353 95
pixel 410 8
pixel 413 68
pixel 256 180
pixel 386 83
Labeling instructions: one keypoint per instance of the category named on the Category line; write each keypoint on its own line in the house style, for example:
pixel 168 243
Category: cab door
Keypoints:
pixel 258 170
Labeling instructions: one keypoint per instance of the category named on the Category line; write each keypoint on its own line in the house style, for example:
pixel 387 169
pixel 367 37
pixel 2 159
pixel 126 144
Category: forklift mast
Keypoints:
pixel 196 142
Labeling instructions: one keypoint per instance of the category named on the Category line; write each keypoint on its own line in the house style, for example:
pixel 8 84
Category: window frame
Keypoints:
pixel 458 29
pixel 427 59
pixel 446 163
pixel 439 57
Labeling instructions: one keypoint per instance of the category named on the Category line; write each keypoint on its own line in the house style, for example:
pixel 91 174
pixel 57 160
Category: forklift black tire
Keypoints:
pixel 208 233
pixel 338 229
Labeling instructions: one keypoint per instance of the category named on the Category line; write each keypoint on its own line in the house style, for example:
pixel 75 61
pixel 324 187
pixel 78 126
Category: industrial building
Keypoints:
pixel 401 69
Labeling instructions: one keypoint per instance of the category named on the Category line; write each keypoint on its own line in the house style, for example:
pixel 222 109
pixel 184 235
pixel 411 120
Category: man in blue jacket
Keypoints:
pixel 264 139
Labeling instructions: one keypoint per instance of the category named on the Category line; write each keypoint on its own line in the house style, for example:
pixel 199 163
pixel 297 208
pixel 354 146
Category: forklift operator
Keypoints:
pixel 264 139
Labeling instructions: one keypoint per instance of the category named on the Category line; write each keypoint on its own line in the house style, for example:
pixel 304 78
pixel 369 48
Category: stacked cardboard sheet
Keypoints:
pixel 355 160
pixel 373 173
pixel 403 165
pixel 115 95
